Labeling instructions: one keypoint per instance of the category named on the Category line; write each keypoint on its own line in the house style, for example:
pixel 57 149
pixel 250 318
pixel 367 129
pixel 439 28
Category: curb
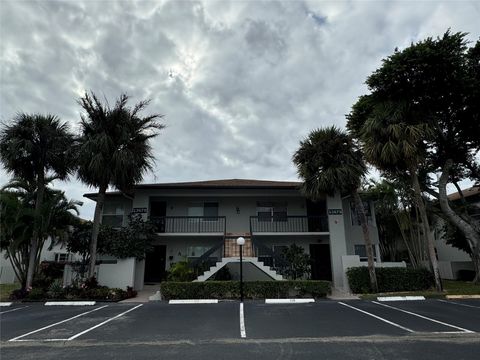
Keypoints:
pixel 462 297
pixel 70 303
pixel 289 301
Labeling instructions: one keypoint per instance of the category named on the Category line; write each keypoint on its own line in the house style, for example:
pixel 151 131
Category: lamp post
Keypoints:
pixel 240 243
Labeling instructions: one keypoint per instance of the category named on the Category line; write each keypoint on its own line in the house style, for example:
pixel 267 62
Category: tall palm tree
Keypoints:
pixel 396 142
pixel 113 149
pixel 34 148
pixel 329 161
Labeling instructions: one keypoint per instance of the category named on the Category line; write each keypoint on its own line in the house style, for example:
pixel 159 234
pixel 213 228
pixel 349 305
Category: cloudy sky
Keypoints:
pixel 239 83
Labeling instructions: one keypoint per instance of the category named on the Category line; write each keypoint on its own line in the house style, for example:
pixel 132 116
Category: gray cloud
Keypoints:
pixel 239 83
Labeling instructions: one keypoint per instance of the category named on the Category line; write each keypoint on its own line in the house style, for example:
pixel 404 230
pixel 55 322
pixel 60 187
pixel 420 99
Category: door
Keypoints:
pixel 158 211
pixel 155 264
pixel 317 211
pixel 321 265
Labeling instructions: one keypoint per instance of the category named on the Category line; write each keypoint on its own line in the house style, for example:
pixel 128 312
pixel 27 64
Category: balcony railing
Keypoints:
pixel 288 224
pixel 189 224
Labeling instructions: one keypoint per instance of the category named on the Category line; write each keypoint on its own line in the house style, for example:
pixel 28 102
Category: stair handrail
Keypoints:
pixel 280 263
pixel 207 254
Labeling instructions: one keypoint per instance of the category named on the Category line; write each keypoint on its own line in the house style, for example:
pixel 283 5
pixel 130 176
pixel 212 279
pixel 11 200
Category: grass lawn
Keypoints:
pixel 453 287
pixel 6 289
pixel 450 287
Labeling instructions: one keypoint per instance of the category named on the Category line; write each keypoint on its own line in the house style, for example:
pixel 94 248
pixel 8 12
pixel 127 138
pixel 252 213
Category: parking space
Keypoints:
pixel 454 313
pixel 160 321
pixel 33 316
pixel 164 322
pixel 320 319
pixel 410 320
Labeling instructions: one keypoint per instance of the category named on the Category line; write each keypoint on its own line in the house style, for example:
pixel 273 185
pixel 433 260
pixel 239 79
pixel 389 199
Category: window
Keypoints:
pixel 361 251
pixel 62 257
pixel 355 216
pixel 197 251
pixel 271 211
pixel 113 212
pixel 209 210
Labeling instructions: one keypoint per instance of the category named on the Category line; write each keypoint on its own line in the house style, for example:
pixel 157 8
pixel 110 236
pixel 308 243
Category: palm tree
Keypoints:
pixel 329 161
pixel 395 142
pixel 34 148
pixel 113 149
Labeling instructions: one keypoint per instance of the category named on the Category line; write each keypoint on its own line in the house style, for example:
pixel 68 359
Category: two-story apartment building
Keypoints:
pixel 201 221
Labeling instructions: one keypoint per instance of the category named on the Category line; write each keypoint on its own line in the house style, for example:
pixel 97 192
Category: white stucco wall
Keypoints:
pixel 353 233
pixel 338 246
pixel 7 275
pixel 119 275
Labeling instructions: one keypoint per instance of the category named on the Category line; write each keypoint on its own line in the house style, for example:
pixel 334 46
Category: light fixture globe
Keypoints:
pixel 240 241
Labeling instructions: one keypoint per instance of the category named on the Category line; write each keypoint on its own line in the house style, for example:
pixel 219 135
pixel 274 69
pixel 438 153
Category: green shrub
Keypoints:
pixel 56 290
pixel 36 294
pixel 252 289
pixel 181 271
pixel 389 279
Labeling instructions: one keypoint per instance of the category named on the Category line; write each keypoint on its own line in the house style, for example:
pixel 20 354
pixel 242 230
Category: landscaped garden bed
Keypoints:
pixel 252 289
pixel 86 290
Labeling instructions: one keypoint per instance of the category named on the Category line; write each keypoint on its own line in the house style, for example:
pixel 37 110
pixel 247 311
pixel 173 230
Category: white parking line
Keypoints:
pixel 455 303
pixel 102 323
pixel 377 317
pixel 243 333
pixel 57 323
pixel 425 317
pixel 20 308
pixel 193 301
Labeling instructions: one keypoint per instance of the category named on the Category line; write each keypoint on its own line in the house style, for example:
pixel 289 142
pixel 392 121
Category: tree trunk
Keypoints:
pixel 368 242
pixel 467 229
pixel 37 225
pixel 426 229
pixel 96 229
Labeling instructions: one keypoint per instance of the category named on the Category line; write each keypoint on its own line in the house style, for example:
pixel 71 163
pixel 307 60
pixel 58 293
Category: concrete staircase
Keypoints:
pixel 253 260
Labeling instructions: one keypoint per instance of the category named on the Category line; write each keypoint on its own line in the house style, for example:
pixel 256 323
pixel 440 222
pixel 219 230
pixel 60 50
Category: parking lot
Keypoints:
pixel 200 330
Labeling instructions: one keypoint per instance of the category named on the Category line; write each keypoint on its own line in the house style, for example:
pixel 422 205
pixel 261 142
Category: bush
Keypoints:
pixel 181 271
pixel 389 279
pixel 252 289
pixel 36 294
pixel 56 290
pixel 18 294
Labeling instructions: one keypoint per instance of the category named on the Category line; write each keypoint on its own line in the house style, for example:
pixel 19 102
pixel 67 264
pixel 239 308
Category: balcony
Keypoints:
pixel 288 224
pixel 189 224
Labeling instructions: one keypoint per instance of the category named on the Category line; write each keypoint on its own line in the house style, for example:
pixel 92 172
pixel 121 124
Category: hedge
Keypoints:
pixel 389 279
pixel 251 289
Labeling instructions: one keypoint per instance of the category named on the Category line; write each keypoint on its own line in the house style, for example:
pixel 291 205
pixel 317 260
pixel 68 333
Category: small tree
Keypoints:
pixel 17 214
pixel 297 263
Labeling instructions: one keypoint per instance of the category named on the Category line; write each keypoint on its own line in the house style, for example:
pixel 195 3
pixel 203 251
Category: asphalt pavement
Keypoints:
pixel 358 329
